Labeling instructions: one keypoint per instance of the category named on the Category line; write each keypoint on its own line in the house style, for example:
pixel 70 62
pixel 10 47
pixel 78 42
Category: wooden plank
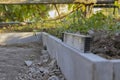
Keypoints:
pixel 46 1
pixel 55 1
pixel 3 24
pixel 35 1
pixel 105 6
pixel 105 1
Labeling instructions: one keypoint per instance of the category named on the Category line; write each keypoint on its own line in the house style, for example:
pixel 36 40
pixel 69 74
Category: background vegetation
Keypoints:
pixel 38 15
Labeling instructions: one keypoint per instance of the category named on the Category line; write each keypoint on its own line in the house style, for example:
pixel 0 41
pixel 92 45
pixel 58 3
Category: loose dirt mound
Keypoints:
pixel 106 45
pixel 27 62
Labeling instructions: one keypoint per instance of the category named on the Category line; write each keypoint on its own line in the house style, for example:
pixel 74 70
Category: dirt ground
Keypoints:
pixel 106 44
pixel 27 62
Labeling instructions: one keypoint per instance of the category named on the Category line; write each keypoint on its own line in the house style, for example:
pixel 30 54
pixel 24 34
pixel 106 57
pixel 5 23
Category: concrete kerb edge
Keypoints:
pixel 96 60
pixel 90 56
pixel 116 69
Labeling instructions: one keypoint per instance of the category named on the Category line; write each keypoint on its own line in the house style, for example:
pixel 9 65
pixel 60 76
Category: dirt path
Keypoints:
pixel 13 67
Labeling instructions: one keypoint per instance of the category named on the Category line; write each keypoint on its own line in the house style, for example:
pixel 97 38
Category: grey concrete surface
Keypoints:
pixel 77 41
pixel 116 69
pixel 74 64
pixel 22 37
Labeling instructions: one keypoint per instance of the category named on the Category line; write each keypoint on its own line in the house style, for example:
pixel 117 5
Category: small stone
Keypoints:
pixel 45 58
pixel 44 51
pixel 39 64
pixel 52 63
pixel 32 70
pixel 43 70
pixel 117 34
pixel 28 63
pixel 53 78
pixel 91 32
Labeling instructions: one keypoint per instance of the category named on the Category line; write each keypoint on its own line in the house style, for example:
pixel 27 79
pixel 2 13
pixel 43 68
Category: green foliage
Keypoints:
pixel 78 23
pixel 23 12
pixel 97 21
pixel 75 22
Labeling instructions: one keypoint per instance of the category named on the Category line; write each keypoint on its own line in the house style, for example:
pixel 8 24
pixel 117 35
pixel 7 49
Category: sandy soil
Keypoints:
pixel 13 67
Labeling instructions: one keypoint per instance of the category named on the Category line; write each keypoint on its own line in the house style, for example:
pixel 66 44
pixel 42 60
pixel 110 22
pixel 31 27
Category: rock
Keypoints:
pixel 52 63
pixel 56 71
pixel 39 64
pixel 91 32
pixel 32 70
pixel 117 33
pixel 45 58
pixel 28 63
pixel 44 51
pixel 43 70
pixel 53 78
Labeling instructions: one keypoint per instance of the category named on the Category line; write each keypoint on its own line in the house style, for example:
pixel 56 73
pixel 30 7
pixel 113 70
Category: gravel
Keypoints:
pixel 27 62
